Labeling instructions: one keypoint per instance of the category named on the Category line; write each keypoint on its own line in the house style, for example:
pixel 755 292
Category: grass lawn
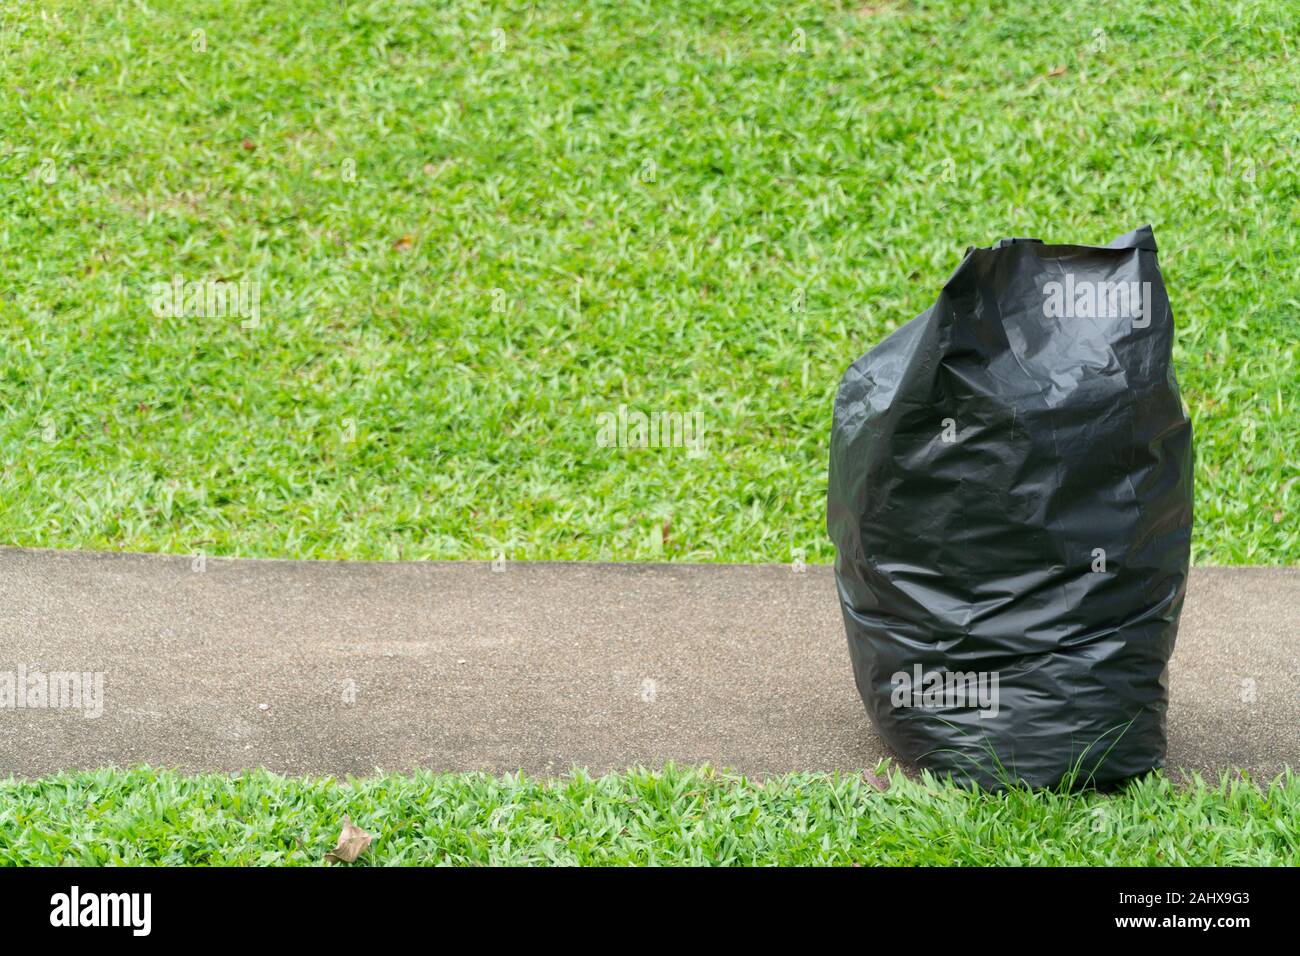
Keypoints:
pixel 477 228
pixel 680 815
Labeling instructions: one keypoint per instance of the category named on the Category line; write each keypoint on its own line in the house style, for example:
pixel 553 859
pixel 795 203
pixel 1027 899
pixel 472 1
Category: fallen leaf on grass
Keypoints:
pixel 875 781
pixel 352 843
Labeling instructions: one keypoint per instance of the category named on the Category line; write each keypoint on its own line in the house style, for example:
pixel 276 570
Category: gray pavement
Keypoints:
pixel 337 668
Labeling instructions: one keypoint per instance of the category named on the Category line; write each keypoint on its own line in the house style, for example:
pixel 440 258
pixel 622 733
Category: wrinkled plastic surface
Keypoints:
pixel 1011 495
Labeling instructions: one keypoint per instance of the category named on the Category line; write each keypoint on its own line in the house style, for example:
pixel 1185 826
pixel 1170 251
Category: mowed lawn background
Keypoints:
pixel 478 227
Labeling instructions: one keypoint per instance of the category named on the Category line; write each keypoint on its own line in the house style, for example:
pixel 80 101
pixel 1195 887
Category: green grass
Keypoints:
pixel 676 205
pixel 676 816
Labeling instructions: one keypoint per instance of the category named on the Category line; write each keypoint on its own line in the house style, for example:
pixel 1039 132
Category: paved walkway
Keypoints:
pixel 335 668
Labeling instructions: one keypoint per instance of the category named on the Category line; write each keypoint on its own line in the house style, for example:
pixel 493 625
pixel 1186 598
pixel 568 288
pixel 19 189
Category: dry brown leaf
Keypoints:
pixel 352 843
pixel 1057 71
pixel 875 781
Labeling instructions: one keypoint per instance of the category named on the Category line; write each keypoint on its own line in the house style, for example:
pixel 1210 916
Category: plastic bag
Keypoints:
pixel 1011 504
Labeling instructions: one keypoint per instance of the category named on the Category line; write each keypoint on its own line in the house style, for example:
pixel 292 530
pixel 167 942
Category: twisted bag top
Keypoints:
pixel 1011 504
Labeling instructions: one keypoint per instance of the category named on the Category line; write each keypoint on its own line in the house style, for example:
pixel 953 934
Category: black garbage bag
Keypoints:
pixel 1011 505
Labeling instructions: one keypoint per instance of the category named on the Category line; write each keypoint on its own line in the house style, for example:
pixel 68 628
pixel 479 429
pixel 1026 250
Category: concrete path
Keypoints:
pixel 336 668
